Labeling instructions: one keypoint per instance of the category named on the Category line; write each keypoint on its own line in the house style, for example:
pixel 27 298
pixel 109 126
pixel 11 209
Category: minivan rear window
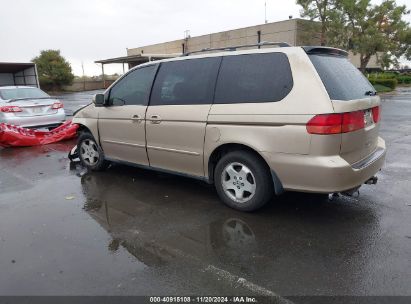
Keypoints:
pixel 342 80
pixel 253 78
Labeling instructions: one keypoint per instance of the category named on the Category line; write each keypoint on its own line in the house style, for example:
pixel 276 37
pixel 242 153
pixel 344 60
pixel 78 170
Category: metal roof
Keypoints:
pixel 14 67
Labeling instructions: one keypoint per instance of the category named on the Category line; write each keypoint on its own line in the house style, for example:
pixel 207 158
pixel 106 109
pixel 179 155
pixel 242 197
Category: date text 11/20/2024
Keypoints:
pixel 204 299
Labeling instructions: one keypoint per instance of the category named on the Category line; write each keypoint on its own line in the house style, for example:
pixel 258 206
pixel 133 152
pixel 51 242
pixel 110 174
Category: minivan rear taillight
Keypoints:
pixel 376 114
pixel 325 124
pixel 10 109
pixel 352 121
pixel 339 123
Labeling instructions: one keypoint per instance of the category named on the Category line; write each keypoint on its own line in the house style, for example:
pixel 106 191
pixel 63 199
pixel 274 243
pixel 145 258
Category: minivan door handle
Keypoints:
pixel 136 118
pixel 155 119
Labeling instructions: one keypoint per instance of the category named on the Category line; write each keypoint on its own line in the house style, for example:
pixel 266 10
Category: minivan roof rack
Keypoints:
pixel 234 48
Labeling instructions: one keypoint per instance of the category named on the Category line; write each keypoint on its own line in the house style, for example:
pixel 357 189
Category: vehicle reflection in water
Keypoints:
pixel 149 219
pixel 159 218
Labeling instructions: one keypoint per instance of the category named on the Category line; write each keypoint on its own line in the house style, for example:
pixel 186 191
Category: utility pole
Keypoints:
pixel 186 37
pixel 102 76
pixel 265 12
pixel 84 78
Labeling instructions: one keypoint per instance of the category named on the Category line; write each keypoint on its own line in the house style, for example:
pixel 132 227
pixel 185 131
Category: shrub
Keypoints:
pixel 382 75
pixel 404 79
pixel 381 89
pixel 400 78
pixel 389 82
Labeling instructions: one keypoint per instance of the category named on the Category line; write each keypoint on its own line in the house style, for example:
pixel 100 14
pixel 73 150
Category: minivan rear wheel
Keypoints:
pixel 90 154
pixel 243 181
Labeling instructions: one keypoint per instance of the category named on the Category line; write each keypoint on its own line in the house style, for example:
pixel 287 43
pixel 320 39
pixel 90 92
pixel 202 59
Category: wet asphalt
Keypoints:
pixel 127 231
pixel 77 100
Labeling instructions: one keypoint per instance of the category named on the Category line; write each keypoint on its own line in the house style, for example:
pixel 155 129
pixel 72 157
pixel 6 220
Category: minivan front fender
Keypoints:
pixel 87 118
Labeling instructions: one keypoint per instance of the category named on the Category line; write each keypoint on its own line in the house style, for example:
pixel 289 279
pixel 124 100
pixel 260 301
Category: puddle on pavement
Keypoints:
pixel 155 215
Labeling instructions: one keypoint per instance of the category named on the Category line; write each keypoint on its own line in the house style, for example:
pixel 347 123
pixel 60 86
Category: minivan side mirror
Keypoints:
pixel 99 100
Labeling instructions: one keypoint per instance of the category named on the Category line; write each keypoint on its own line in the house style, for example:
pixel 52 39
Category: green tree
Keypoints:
pixel 363 28
pixel 54 71
pixel 376 29
pixel 321 11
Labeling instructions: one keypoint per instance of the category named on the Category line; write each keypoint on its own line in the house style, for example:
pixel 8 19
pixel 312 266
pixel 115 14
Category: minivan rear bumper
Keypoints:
pixel 324 174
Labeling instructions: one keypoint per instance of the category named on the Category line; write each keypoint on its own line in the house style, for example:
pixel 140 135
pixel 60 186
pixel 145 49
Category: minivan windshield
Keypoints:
pixel 342 80
pixel 17 93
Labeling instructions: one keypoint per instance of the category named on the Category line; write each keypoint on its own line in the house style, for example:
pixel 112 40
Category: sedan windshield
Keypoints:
pixel 18 93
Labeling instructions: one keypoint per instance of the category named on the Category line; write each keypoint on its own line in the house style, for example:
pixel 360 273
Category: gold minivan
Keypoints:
pixel 253 122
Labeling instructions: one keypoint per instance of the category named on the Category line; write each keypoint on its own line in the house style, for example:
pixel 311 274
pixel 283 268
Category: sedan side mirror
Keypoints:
pixel 99 100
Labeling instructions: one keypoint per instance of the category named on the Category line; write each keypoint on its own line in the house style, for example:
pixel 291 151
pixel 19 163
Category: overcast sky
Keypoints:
pixel 88 30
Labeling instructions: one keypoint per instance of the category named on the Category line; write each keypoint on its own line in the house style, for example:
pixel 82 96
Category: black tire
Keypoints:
pixel 259 174
pixel 94 162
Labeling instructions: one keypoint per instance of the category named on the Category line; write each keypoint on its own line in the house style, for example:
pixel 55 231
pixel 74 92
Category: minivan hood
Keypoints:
pixel 77 112
pixel 88 111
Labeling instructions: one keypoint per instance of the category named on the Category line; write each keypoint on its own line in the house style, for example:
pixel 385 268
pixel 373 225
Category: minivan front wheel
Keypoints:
pixel 243 181
pixel 91 155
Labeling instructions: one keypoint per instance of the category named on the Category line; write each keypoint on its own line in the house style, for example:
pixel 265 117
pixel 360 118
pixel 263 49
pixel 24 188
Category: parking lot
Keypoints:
pixel 126 231
pixel 74 101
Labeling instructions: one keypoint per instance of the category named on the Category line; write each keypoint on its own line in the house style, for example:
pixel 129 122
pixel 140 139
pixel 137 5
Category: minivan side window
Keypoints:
pixel 253 78
pixel 185 82
pixel 134 88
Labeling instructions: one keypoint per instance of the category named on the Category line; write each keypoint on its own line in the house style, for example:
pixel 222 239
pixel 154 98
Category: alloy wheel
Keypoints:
pixel 89 152
pixel 238 182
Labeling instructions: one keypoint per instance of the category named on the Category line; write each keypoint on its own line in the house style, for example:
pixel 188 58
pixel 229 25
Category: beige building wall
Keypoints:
pixel 355 59
pixel 293 31
pixel 282 31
